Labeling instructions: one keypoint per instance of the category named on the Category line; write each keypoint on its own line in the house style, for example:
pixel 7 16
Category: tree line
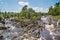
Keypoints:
pixel 55 10
pixel 29 13
pixel 26 13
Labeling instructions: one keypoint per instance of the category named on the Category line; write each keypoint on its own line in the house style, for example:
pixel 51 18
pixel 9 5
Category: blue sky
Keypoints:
pixel 16 5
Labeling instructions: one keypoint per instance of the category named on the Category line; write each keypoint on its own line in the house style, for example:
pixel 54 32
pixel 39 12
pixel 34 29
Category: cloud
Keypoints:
pixel 40 9
pixel 23 3
pixel 37 9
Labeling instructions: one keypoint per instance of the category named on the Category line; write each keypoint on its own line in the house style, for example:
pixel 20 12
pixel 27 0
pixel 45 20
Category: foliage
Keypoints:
pixel 58 17
pixel 1 16
pixel 55 10
pixel 26 14
pixel 34 18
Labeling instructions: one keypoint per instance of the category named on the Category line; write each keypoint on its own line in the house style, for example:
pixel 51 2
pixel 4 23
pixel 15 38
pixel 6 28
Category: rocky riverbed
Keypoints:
pixel 42 29
pixel 17 30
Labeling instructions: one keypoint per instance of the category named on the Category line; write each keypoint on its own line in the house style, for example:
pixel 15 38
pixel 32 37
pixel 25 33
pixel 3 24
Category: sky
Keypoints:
pixel 16 5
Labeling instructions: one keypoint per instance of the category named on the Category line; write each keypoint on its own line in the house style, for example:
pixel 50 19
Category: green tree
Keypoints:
pixel 57 4
pixel 55 10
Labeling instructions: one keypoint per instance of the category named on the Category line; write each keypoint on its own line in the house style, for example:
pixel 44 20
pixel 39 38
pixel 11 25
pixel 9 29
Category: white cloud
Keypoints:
pixel 37 9
pixel 40 9
pixel 23 3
